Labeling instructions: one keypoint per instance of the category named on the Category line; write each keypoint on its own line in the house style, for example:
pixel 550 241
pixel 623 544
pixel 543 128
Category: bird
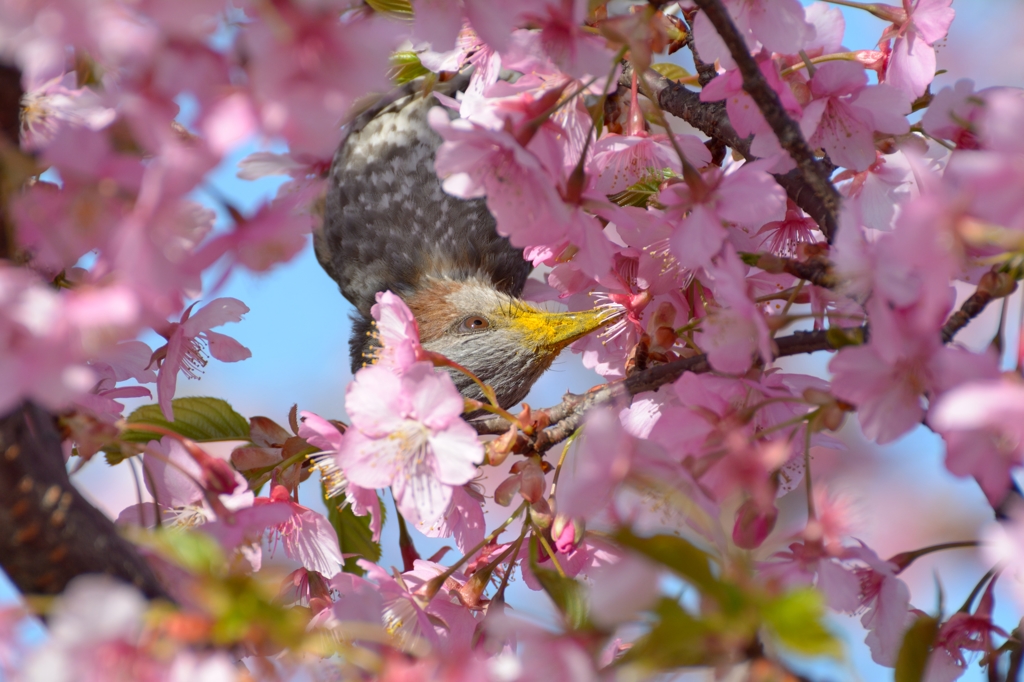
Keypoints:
pixel 389 225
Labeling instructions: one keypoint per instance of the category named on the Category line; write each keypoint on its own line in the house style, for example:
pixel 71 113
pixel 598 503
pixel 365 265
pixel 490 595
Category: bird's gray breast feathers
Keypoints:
pixel 388 224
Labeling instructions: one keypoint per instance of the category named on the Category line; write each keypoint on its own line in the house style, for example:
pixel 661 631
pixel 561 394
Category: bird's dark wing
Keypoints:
pixel 388 224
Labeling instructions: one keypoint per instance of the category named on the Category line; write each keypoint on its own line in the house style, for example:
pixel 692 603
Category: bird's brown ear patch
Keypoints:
pixel 430 306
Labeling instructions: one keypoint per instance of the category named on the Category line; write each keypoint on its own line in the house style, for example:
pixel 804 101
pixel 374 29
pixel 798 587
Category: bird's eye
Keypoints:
pixel 475 323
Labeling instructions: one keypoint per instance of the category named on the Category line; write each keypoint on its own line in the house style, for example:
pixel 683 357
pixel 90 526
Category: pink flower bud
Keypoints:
pixel 753 525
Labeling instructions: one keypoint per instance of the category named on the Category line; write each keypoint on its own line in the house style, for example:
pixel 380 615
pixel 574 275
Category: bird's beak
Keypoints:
pixel 551 332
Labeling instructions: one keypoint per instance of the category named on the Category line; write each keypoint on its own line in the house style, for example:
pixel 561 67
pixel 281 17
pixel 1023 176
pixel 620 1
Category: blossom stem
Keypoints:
pixel 430 588
pixel 691 176
pixel 753 409
pixel 809 62
pixel 884 12
pixel 792 297
pixel 966 608
pixel 547 548
pixel 904 559
pixel 499 594
pixel 795 421
pixel 812 513
pixel 561 460
pixel 492 398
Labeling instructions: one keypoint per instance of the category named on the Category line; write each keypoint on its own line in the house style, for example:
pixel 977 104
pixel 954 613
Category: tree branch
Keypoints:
pixel 569 415
pixel 711 119
pixel 49 533
pixel 970 309
pixel 767 100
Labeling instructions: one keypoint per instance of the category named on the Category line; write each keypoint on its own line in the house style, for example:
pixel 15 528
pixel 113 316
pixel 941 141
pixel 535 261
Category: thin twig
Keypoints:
pixel 653 379
pixel 970 309
pixel 767 100
pixel 711 119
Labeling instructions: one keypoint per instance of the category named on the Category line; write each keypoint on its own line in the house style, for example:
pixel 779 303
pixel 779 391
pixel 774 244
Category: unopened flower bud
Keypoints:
pixel 753 524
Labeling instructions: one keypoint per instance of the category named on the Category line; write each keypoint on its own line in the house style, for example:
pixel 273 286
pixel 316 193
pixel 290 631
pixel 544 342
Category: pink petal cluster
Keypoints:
pixel 916 27
pixel 407 433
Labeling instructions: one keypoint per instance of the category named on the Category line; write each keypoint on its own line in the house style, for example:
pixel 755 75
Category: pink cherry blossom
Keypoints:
pixel 478 161
pixel 95 633
pixel 888 378
pixel 744 115
pixel 444 622
pixel 879 191
pixel 307 68
pixel 746 195
pixel 190 338
pixel 46 337
pixel 737 331
pixel 1002 542
pixel 1004 111
pixel 307 536
pixel 463 520
pixel 398 332
pixel 983 425
pixel 970 632
pixel 884 602
pixel 916 27
pixel 320 433
pixel 604 466
pixel 846 112
pixel 953 113
pixel 575 51
pixel 407 433
pixel 778 25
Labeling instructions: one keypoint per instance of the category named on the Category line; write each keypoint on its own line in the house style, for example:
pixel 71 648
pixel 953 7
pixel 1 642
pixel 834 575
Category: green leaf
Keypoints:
pixel 354 534
pixel 671 71
pixel 676 640
pixel 680 555
pixel 569 596
pixel 406 66
pixel 400 9
pixel 193 550
pixel 751 259
pixel 795 619
pixel 203 420
pixel 917 645
pixel 839 338
pixel 644 190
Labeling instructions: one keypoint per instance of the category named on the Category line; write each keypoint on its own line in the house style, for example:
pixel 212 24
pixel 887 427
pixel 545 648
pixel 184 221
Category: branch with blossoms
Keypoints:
pixel 561 421
pixel 812 172
pixel 711 119
pixel 671 472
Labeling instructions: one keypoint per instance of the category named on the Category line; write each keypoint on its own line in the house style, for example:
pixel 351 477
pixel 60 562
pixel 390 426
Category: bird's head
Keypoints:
pixel 505 341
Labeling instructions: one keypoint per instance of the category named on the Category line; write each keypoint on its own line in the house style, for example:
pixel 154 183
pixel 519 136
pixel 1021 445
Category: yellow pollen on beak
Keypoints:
pixel 551 332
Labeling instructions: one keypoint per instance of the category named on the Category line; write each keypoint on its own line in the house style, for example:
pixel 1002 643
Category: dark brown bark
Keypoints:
pixel 812 172
pixel 711 119
pixel 49 533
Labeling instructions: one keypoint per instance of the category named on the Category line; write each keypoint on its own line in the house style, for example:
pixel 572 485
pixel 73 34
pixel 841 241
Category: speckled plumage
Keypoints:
pixel 389 225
